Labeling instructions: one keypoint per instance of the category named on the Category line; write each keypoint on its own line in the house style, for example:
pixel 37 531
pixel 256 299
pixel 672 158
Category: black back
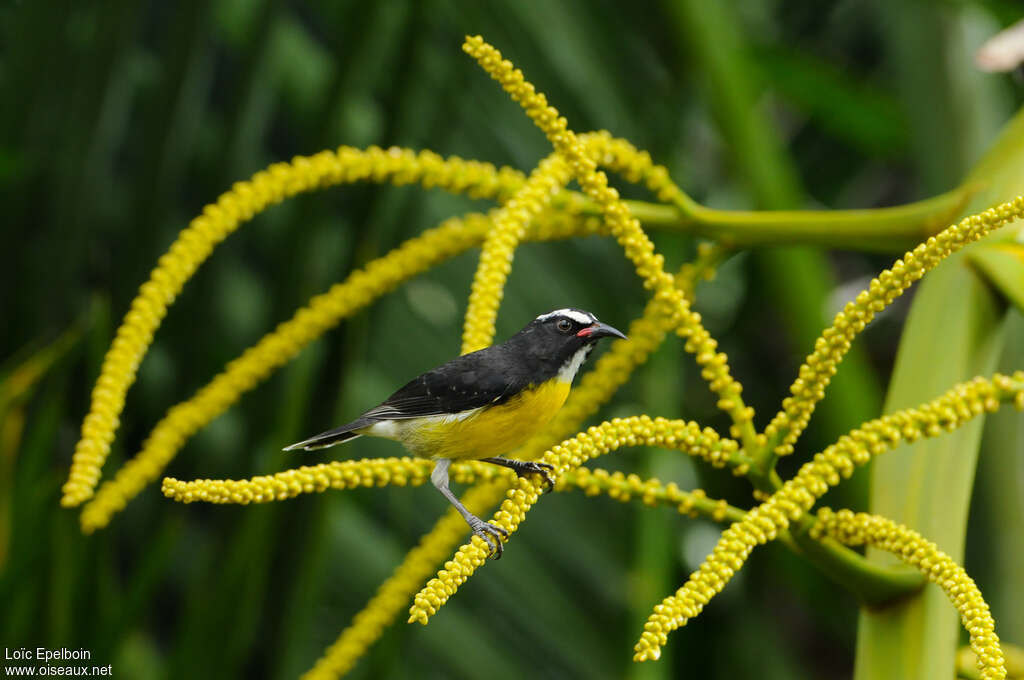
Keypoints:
pixel 494 374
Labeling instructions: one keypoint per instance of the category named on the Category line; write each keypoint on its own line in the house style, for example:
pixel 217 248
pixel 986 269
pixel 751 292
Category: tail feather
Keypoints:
pixel 332 437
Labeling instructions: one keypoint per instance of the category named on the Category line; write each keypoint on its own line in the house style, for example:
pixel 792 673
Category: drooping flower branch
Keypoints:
pixel 762 524
pixel 864 529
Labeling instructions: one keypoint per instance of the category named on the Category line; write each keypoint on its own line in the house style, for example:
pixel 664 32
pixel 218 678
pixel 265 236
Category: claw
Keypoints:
pixel 491 535
pixel 542 469
pixel 527 467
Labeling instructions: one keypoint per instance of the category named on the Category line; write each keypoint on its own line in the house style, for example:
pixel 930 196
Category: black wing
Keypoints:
pixel 466 382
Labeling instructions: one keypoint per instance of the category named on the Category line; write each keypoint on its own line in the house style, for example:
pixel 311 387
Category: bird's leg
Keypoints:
pixel 527 467
pixel 491 534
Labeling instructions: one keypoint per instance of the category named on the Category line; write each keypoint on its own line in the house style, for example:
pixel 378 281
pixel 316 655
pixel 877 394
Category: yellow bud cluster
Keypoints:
pixel 565 222
pixel 340 474
pixel 220 219
pixel 634 165
pixel 864 529
pixel 348 474
pixel 509 229
pixel 569 455
pixel 967 661
pixel 817 371
pixel 624 227
pixel 651 492
pixel 763 523
pixel 393 595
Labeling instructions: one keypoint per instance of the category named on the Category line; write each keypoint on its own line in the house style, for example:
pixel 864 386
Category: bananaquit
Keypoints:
pixel 483 404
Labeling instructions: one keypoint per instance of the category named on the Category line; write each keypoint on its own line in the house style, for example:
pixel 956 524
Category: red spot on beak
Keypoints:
pixel 584 332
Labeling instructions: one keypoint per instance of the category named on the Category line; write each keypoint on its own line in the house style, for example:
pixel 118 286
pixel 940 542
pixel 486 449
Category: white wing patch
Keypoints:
pixel 400 429
pixel 575 315
pixel 387 429
pixel 446 418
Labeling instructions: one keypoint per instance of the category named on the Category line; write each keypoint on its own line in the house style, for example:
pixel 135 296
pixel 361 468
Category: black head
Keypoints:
pixel 560 341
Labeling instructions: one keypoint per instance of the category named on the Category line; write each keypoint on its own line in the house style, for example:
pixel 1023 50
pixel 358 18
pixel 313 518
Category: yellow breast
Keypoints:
pixel 490 431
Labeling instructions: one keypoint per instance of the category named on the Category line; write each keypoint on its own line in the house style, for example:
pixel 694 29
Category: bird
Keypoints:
pixel 482 405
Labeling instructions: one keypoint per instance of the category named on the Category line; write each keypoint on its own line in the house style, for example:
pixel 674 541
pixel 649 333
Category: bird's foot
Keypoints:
pixel 491 534
pixel 528 467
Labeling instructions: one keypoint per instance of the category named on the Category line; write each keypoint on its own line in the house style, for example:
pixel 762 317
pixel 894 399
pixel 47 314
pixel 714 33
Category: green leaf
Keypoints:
pixel 1002 265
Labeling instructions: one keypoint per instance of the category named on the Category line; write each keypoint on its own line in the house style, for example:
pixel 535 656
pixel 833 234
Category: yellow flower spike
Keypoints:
pixel 798 495
pixel 817 370
pixel 510 223
pixel 636 166
pixel 347 474
pixel 565 457
pixel 340 474
pixel 624 227
pixel 650 492
pixel 218 220
pixel 882 533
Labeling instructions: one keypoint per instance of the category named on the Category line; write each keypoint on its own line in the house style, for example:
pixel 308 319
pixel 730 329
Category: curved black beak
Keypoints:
pixel 598 330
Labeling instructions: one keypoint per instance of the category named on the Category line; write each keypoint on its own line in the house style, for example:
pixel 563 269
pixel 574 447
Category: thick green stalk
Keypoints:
pixel 885 230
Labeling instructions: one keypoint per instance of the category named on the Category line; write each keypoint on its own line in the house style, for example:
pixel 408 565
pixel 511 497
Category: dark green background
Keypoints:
pixel 120 120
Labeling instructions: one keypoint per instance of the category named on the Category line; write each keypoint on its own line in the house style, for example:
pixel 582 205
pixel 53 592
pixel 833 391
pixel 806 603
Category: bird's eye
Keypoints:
pixel 564 325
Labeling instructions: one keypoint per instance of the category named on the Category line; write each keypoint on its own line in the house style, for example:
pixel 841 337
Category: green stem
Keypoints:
pixel 875 584
pixel 890 230
pixel 879 229
pixel 763 459
pixel 764 479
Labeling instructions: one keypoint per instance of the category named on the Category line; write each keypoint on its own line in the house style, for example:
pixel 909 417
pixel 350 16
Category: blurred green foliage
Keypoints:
pixel 121 120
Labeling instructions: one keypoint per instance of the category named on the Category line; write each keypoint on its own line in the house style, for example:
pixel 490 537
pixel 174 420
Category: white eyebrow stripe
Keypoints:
pixel 578 317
